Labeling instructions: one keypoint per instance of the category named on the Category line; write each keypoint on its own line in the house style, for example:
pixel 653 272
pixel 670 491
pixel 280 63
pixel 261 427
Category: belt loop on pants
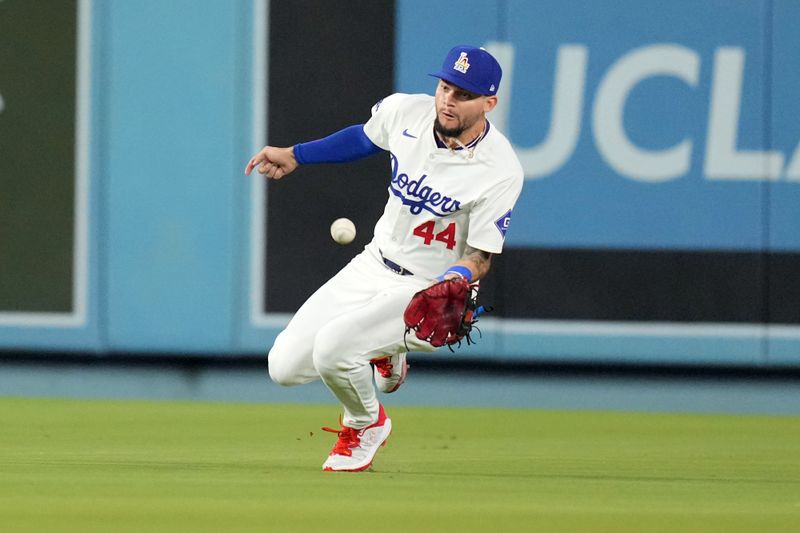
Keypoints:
pixel 394 267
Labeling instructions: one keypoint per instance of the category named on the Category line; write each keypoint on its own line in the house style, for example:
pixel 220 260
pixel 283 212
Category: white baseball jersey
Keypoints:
pixel 440 200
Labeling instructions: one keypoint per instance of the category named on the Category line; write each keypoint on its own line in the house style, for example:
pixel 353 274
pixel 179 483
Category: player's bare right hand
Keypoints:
pixel 272 162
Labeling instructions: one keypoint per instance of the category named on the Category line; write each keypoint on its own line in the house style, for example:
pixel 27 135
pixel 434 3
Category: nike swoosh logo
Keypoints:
pixel 405 133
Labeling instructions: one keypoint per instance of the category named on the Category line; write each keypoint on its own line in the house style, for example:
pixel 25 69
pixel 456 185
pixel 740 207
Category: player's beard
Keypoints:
pixel 452 133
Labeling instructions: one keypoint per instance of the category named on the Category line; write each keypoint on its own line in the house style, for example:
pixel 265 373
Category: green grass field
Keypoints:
pixel 69 465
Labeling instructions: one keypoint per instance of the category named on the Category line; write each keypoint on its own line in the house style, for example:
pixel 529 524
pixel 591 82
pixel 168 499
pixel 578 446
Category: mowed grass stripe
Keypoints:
pixel 68 465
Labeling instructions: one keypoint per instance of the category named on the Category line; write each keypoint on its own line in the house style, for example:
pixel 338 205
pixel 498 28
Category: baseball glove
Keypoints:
pixel 444 313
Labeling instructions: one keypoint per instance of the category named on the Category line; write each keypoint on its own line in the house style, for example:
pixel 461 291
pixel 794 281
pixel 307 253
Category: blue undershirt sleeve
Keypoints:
pixel 348 144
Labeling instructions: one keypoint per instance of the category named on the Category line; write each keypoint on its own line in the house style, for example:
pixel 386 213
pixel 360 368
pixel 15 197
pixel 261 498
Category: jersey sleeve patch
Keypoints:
pixel 503 222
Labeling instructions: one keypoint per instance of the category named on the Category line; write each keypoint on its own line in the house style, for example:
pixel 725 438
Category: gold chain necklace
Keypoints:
pixel 469 151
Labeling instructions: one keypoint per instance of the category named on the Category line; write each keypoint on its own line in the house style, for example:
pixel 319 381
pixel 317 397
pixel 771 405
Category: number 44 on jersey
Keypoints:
pixel 427 231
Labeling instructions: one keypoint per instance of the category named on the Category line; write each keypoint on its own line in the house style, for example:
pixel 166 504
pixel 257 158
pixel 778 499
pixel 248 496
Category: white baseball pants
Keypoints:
pixel 354 317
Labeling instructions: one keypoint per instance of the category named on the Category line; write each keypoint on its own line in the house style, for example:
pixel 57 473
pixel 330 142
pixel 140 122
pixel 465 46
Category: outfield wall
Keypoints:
pixel 658 223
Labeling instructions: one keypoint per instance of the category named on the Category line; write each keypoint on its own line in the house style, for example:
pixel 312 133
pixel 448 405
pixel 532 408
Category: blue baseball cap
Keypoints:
pixel 471 68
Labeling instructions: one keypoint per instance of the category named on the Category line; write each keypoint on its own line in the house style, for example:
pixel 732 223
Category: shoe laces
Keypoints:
pixel 384 367
pixel 348 439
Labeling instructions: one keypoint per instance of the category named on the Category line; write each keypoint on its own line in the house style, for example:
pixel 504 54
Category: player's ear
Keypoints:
pixel 489 103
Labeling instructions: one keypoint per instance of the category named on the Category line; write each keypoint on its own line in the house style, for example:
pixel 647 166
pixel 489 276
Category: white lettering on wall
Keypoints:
pixel 613 143
pixel 565 117
pixel 793 172
pixel 723 162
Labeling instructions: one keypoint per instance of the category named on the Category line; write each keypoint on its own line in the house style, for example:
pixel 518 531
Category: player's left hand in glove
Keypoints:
pixel 443 313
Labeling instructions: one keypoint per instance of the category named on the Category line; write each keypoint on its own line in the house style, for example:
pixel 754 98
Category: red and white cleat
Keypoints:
pixel 356 448
pixel 390 372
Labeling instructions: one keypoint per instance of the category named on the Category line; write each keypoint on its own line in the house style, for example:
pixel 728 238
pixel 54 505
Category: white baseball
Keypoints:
pixel 343 230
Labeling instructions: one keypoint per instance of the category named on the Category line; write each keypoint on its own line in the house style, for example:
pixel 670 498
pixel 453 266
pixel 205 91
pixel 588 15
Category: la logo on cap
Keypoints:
pixel 462 63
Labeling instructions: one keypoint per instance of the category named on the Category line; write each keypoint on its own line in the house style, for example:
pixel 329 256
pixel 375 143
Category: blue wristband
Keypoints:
pixel 461 270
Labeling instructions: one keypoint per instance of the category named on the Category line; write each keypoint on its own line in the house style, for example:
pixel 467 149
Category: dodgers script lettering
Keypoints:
pixel 418 196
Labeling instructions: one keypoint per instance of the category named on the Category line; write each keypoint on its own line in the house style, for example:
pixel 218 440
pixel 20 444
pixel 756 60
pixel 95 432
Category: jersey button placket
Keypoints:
pixel 429 162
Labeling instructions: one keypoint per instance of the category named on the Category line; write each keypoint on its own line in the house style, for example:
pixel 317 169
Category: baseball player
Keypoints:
pixel 454 182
